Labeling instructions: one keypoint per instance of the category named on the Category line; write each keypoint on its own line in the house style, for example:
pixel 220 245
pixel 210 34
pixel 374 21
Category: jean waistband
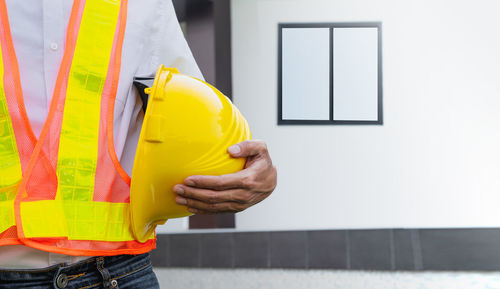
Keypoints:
pixel 95 269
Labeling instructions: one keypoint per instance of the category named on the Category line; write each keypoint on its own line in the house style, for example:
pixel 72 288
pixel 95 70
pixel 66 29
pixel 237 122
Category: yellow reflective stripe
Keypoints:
pixel 73 213
pixel 78 144
pixel 77 220
pixel 7 196
pixel 10 164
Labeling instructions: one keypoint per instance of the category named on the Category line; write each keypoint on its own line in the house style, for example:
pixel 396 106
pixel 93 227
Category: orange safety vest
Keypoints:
pixel 66 191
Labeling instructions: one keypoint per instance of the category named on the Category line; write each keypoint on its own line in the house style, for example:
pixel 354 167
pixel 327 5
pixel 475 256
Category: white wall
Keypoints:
pixel 436 160
pixel 174 225
pixel 295 279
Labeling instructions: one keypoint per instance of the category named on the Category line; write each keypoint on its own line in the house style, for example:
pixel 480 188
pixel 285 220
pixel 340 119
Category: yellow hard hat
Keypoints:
pixel 187 130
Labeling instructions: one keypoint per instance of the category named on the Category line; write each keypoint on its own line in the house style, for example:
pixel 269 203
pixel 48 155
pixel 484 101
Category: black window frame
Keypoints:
pixel 331 121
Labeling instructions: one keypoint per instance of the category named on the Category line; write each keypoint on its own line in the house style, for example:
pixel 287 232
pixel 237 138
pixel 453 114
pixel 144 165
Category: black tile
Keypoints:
pixel 184 250
pixel 403 250
pixel 160 255
pixel 327 249
pixel 439 249
pixel 288 249
pixel 370 249
pixel 217 250
pixel 251 250
pixel 460 249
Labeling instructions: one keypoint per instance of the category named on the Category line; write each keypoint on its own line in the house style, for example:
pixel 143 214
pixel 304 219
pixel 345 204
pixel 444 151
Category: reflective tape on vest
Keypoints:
pixel 71 195
pixel 10 165
pixel 73 213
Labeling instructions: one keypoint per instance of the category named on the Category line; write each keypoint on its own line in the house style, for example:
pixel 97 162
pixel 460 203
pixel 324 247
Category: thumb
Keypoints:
pixel 247 148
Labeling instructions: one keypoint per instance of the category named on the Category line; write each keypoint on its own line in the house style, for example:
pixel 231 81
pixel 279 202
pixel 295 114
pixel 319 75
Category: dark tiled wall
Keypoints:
pixel 388 249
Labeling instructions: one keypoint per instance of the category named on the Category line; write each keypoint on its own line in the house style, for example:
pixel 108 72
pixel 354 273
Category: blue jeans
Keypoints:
pixel 123 271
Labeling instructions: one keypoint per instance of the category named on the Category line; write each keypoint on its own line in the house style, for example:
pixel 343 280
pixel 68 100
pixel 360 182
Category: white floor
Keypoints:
pixel 294 279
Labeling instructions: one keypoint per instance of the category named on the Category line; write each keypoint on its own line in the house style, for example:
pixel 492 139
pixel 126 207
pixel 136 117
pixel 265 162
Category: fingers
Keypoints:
pixel 251 149
pixel 200 212
pixel 260 175
pixel 236 192
pixel 202 201
pixel 195 206
pixel 212 197
pixel 223 182
pixel 248 148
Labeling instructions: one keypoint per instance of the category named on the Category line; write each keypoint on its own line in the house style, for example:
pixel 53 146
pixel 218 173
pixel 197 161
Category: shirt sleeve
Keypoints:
pixel 153 37
pixel 171 48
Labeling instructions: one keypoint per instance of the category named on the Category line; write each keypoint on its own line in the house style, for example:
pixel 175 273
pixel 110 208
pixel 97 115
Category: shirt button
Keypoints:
pixel 54 46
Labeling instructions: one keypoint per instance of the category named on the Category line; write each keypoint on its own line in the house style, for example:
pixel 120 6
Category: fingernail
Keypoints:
pixel 180 201
pixel 234 149
pixel 194 211
pixel 178 190
pixel 189 182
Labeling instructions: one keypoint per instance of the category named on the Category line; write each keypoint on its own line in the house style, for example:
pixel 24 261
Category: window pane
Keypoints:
pixel 355 74
pixel 306 73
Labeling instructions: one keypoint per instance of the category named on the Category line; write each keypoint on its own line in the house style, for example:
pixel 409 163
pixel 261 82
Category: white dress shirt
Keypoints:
pixel 152 37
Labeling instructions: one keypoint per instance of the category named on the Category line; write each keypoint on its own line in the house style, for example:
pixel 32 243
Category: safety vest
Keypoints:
pixel 66 191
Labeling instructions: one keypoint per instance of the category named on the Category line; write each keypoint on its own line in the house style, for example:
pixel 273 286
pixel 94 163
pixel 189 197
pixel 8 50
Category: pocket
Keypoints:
pixel 142 277
pixel 134 53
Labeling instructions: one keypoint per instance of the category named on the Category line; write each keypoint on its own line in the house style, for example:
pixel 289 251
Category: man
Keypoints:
pixel 48 242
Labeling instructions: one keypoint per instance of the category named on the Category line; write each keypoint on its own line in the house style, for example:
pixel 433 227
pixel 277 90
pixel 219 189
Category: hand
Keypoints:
pixel 232 192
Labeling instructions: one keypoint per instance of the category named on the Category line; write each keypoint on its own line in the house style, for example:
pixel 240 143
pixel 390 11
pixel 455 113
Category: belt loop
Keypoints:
pixel 106 278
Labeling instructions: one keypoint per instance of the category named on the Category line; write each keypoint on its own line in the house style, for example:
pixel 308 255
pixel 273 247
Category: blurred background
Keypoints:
pixel 396 189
